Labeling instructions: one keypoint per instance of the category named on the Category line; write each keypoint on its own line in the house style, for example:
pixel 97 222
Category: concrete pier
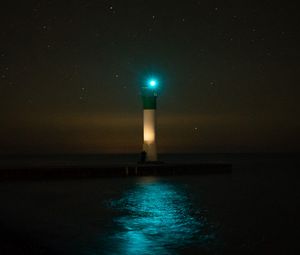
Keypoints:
pixel 116 170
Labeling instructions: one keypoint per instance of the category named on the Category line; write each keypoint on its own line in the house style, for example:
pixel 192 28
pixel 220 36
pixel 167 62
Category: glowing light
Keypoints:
pixel 149 126
pixel 149 136
pixel 152 83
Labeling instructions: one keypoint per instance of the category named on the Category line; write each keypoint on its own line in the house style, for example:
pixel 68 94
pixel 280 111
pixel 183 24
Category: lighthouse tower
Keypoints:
pixel 149 94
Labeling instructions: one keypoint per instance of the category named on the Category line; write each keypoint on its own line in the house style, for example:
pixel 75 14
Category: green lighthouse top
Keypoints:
pixel 149 94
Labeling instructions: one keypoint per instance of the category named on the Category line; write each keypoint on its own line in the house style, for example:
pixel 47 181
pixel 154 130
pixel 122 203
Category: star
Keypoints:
pixel 268 53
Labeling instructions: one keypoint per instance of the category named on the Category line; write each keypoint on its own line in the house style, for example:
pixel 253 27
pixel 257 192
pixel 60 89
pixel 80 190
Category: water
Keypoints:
pixel 157 218
pixel 253 211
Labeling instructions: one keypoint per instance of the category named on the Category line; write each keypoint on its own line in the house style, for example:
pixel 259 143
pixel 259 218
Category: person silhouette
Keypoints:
pixel 143 156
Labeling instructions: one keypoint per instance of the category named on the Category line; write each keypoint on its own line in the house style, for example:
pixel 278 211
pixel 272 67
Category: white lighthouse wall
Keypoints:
pixel 149 134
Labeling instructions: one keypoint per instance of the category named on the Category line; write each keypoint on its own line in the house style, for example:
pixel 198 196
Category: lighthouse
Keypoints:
pixel 149 95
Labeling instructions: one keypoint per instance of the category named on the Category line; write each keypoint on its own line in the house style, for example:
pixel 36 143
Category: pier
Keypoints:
pixel 114 170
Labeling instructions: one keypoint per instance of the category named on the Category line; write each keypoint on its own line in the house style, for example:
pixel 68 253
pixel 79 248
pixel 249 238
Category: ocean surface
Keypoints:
pixel 254 210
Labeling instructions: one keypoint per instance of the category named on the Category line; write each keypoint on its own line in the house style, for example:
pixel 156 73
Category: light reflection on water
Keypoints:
pixel 156 218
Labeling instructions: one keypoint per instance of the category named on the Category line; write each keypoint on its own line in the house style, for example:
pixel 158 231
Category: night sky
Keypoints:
pixel 71 71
